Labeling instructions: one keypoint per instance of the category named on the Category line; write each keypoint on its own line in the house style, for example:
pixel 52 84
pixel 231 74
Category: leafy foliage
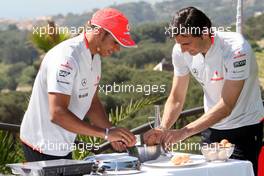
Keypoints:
pixel 253 27
pixel 85 141
pixel 137 12
pixel 122 113
pixel 10 151
pixel 19 65
pixel 48 36
pixel 260 61
pixel 13 106
pixel 142 12
pixel 14 47
pixel 144 82
pixel 27 76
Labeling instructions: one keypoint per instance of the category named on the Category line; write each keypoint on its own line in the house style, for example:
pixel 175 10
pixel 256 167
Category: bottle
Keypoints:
pixel 157 116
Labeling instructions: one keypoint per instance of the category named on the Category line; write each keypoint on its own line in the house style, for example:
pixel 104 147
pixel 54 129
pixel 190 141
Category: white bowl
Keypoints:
pixel 217 152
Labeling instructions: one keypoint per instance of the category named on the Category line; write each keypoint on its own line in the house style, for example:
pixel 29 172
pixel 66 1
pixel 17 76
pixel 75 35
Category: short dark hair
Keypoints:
pixel 192 20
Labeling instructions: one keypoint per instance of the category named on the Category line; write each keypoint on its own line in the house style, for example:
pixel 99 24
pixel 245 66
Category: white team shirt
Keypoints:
pixel 230 57
pixel 69 69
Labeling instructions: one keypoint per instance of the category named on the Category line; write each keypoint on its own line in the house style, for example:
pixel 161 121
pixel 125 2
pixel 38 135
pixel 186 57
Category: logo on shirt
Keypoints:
pixel 64 73
pixel 84 82
pixel 63 82
pixel 239 55
pixel 239 63
pixel 195 71
pixel 66 65
pixel 238 71
pixel 83 95
pixel 216 77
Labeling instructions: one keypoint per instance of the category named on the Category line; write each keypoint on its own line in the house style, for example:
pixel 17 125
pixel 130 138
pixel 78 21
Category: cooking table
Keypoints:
pixel 231 167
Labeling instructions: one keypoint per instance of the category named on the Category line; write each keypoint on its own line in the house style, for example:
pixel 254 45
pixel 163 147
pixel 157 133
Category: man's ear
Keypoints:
pixel 205 36
pixel 101 34
pixel 88 23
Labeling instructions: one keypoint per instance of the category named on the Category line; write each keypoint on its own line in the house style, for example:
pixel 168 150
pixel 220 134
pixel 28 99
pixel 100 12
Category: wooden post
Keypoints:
pixel 239 17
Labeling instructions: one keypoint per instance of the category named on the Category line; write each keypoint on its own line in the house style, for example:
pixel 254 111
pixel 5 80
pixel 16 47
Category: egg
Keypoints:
pixel 212 155
pixel 228 144
pixel 224 141
pixel 222 155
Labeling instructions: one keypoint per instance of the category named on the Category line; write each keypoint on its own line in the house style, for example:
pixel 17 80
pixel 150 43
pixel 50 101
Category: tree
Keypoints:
pixel 154 32
pixel 11 151
pixel 27 76
pixel 13 106
pixel 15 48
pixel 48 36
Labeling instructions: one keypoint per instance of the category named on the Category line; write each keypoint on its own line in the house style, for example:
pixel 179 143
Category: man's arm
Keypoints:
pixel 172 110
pixel 97 114
pixel 230 94
pixel 174 104
pixel 60 115
pixel 98 118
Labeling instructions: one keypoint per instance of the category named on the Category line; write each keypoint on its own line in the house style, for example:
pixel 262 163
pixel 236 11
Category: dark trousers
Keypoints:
pixel 33 155
pixel 247 140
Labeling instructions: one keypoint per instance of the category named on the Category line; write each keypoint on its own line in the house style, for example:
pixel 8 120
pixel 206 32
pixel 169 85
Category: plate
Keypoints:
pixel 123 172
pixel 114 157
pixel 164 162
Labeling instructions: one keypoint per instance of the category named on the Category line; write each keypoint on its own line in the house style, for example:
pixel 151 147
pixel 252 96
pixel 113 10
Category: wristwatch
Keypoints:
pixel 107 132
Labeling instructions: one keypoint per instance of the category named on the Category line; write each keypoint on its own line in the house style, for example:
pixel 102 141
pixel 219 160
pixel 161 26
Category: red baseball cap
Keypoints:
pixel 114 22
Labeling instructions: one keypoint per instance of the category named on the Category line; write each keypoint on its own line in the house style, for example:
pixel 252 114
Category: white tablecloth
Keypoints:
pixel 229 168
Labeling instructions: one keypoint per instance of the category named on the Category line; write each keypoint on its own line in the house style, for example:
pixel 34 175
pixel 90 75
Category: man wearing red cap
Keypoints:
pixel 65 91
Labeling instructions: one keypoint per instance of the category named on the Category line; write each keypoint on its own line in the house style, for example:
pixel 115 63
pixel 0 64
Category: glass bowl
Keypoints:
pixel 217 152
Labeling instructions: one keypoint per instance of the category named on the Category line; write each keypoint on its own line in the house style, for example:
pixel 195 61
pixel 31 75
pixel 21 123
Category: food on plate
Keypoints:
pixel 180 159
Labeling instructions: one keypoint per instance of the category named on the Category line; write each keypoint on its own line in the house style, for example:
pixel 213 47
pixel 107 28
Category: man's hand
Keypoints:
pixel 153 136
pixel 171 137
pixel 122 135
pixel 118 146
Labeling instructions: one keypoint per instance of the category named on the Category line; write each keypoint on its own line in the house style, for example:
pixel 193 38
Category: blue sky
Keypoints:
pixel 21 9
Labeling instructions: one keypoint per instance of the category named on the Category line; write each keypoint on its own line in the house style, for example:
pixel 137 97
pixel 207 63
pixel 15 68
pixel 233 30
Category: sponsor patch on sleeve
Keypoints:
pixel 238 55
pixel 64 73
pixel 240 63
pixel 237 68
